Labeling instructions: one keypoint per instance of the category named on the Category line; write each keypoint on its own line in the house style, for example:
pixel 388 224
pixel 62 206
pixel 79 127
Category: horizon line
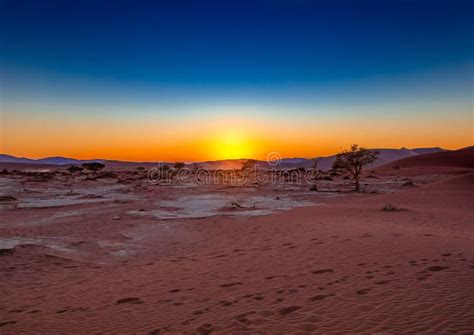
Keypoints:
pixel 211 160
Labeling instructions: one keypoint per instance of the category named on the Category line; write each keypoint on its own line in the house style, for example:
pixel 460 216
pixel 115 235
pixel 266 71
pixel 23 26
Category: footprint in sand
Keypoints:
pixel 289 310
pixel 35 311
pixel 199 312
pixel 436 268
pixel 243 318
pixel 130 300
pixel 231 284
pixel 320 297
pixel 317 272
pixel 275 276
pixel 226 303
pixel 16 311
pixel 6 323
pixel 363 291
pixel 205 329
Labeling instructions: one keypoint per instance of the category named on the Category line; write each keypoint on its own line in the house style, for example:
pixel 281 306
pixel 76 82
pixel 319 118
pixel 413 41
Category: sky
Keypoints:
pixel 205 80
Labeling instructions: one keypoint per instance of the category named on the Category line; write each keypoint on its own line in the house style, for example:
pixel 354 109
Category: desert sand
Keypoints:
pixel 118 255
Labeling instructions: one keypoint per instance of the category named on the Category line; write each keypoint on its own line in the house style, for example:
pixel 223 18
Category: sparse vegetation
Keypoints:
pixel 74 168
pixel 315 171
pixel 391 208
pixel 7 198
pixel 195 167
pixel 409 183
pixel 353 161
pixel 6 251
pixel 106 174
pixel 42 176
pixel 179 166
pixel 93 166
pixel 248 165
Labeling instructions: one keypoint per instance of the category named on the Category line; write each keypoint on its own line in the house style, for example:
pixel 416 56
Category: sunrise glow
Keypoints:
pixel 223 93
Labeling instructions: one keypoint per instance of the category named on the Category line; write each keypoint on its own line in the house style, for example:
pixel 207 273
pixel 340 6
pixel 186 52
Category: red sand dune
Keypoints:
pixel 463 158
pixel 448 162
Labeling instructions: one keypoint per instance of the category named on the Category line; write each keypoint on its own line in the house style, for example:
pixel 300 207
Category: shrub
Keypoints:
pixel 179 165
pixel 391 208
pixel 106 174
pixel 94 166
pixel 74 169
pixel 409 183
pixel 248 165
pixel 316 175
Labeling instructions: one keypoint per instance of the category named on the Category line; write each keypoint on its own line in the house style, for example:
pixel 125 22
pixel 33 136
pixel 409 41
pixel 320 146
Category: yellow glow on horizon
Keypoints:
pixel 227 135
pixel 232 144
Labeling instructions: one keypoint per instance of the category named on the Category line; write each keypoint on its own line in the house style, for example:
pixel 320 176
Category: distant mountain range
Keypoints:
pixel 385 156
pixel 48 160
pixel 325 163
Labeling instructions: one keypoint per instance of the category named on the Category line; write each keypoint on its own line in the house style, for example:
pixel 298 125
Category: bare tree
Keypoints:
pixel 353 161
pixel 315 175
pixel 248 165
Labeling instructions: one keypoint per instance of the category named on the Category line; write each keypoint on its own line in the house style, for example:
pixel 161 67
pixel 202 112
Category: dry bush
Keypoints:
pixel 391 208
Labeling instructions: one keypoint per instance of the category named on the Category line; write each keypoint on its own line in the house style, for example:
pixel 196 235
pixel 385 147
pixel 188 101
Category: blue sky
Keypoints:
pixel 303 58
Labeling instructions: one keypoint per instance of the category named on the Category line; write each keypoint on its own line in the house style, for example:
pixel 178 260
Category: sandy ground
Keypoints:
pixel 123 256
